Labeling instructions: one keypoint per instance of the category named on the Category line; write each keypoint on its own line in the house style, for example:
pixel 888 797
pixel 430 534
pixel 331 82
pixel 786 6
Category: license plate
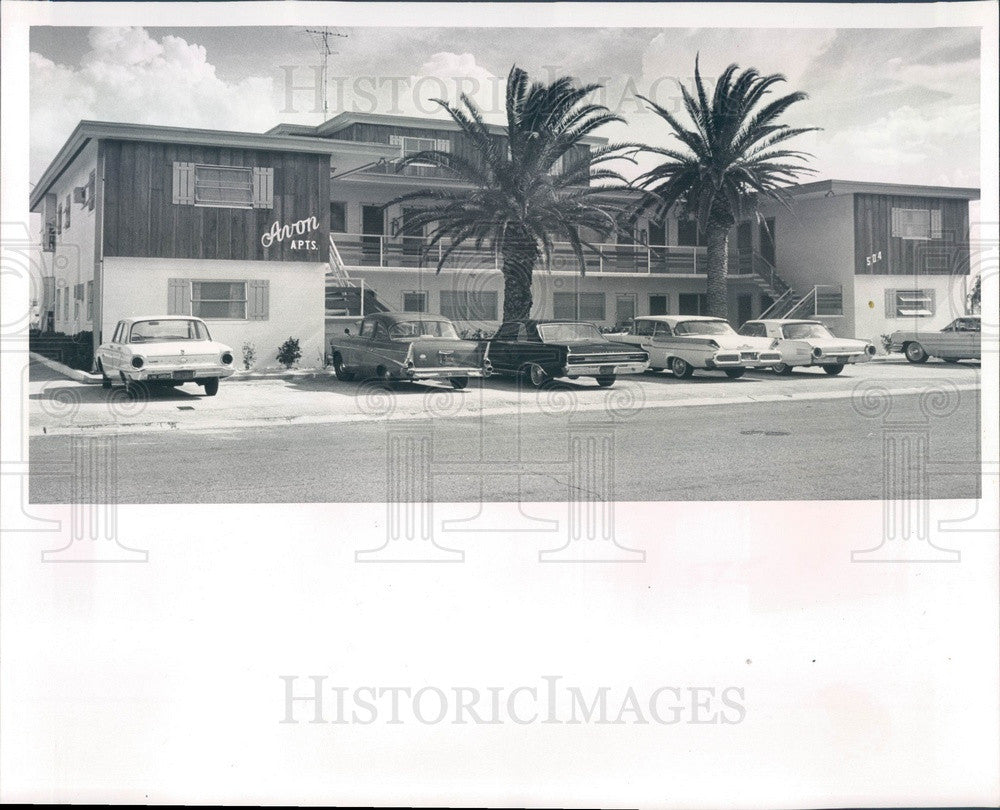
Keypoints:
pixel 607 369
pixel 184 375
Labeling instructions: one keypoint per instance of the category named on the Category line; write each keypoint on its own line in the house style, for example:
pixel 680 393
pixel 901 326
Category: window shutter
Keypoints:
pixel 183 183
pixel 258 301
pixel 396 140
pixel 67 209
pixel 263 187
pixel 178 296
pixel 890 303
pixel 936 224
pixel 59 218
pixel 91 190
pixel 442 145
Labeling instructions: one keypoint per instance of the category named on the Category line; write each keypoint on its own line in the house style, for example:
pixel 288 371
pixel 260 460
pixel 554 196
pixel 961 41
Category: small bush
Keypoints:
pixel 249 355
pixel 289 352
pixel 886 343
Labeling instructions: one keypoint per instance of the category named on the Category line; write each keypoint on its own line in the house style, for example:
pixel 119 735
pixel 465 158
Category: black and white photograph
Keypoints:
pixel 503 404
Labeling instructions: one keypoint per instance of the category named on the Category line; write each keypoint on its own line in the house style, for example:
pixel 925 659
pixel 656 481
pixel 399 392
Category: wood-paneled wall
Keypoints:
pixel 873 235
pixel 140 218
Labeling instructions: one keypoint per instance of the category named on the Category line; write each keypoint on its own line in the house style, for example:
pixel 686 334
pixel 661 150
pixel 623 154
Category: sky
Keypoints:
pixel 894 105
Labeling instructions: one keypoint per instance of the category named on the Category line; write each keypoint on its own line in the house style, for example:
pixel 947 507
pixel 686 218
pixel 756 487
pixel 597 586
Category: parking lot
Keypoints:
pixel 61 406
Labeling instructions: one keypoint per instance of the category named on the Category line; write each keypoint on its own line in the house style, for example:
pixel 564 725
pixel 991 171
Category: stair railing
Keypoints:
pixel 778 305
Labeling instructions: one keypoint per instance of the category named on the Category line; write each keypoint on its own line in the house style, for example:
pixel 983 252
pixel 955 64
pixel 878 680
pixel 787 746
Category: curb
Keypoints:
pixel 279 375
pixel 66 371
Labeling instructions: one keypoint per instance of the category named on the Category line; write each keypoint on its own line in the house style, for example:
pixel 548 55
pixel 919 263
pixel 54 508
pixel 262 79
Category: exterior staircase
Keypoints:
pixel 345 296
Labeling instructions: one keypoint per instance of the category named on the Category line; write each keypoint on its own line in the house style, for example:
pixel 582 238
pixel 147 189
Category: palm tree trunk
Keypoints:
pixel 519 256
pixel 718 255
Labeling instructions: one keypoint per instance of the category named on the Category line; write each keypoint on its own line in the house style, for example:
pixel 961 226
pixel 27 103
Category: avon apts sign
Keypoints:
pixel 293 232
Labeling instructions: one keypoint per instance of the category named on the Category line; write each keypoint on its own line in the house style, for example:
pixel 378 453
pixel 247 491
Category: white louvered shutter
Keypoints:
pixel 178 296
pixel 183 184
pixel 258 299
pixel 263 187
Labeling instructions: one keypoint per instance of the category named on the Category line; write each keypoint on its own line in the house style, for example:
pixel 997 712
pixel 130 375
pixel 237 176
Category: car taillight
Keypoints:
pixel 817 352
pixel 227 358
pixel 870 349
pixel 137 362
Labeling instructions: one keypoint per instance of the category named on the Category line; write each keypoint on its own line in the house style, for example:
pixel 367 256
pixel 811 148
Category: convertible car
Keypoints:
pixel 809 343
pixel 959 340
pixel 542 350
pixel 164 350
pixel 407 346
pixel 683 343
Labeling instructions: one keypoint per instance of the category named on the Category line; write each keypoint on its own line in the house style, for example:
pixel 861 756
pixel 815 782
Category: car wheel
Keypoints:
pixel 458 383
pixel 135 391
pixel 681 368
pixel 383 377
pixel 834 369
pixel 950 359
pixel 734 373
pixel 915 353
pixel 211 386
pixel 105 379
pixel 338 368
pixel 536 375
pixel 606 381
pixel 782 368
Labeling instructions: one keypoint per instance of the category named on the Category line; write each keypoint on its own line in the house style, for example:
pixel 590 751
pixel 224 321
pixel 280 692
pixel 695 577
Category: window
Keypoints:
pixel 916 223
pixel 414 302
pixel 662 330
pixel 338 217
pixel 118 333
pixel 219 299
pixel 381 333
pixel 78 293
pixel 156 331
pixel 90 300
pixel 624 308
pixel 414 329
pixel 228 186
pixel 657 305
pixel 412 146
pixel 512 331
pixel 692 303
pixel 367 328
pixel 644 328
pixel 753 330
pixel 469 305
pixel 571 306
pixel 909 303
pixel 689 234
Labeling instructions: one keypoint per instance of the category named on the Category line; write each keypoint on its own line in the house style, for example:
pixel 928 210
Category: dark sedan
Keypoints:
pixel 540 351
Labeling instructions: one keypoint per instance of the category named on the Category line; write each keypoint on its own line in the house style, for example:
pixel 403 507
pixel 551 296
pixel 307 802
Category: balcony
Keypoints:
pixel 357 250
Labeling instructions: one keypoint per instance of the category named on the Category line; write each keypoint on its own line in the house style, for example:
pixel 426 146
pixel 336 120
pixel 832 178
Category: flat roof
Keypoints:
pixel 345 119
pixel 86 131
pixel 834 188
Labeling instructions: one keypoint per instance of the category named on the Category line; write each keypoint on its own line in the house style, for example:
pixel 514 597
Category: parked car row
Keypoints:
pixel 170 350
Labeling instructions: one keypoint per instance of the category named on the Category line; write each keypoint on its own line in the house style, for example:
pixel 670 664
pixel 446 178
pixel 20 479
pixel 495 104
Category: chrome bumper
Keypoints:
pixel 179 373
pixel 603 369
pixel 841 359
pixel 733 359
pixel 441 372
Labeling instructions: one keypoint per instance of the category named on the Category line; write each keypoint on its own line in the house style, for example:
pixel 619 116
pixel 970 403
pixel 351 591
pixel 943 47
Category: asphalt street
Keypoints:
pixel 796 450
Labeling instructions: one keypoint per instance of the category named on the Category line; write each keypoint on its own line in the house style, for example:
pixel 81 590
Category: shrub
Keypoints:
pixel 289 352
pixel 886 343
pixel 75 351
pixel 249 355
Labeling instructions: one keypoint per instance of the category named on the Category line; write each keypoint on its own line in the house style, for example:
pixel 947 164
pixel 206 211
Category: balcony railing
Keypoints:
pixel 360 250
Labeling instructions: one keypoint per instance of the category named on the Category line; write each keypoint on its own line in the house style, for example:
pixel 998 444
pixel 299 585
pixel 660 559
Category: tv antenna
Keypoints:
pixel 322 37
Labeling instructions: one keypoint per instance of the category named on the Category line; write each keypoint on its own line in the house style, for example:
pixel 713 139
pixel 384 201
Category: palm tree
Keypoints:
pixel 734 155
pixel 527 188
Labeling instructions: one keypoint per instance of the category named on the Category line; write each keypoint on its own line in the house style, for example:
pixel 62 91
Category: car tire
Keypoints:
pixel 211 386
pixel 536 375
pixel 681 368
pixel 915 352
pixel 782 368
pixel 458 383
pixel 734 373
pixel 338 368
pixel 834 369
pixel 606 381
pixel 383 377
pixel 105 379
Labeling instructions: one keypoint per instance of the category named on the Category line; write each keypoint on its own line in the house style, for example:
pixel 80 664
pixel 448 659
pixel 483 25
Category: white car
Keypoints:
pixel 683 343
pixel 809 343
pixel 164 350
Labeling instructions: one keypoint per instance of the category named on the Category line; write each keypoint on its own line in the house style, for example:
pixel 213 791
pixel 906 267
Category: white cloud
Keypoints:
pixel 131 77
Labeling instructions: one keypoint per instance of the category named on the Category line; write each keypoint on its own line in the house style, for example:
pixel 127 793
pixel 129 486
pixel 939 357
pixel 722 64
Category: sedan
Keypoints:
pixel 164 350
pixel 683 343
pixel 809 343
pixel 959 340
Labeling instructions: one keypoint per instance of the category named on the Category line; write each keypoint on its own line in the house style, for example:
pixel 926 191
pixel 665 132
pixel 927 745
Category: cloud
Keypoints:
pixel 129 76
